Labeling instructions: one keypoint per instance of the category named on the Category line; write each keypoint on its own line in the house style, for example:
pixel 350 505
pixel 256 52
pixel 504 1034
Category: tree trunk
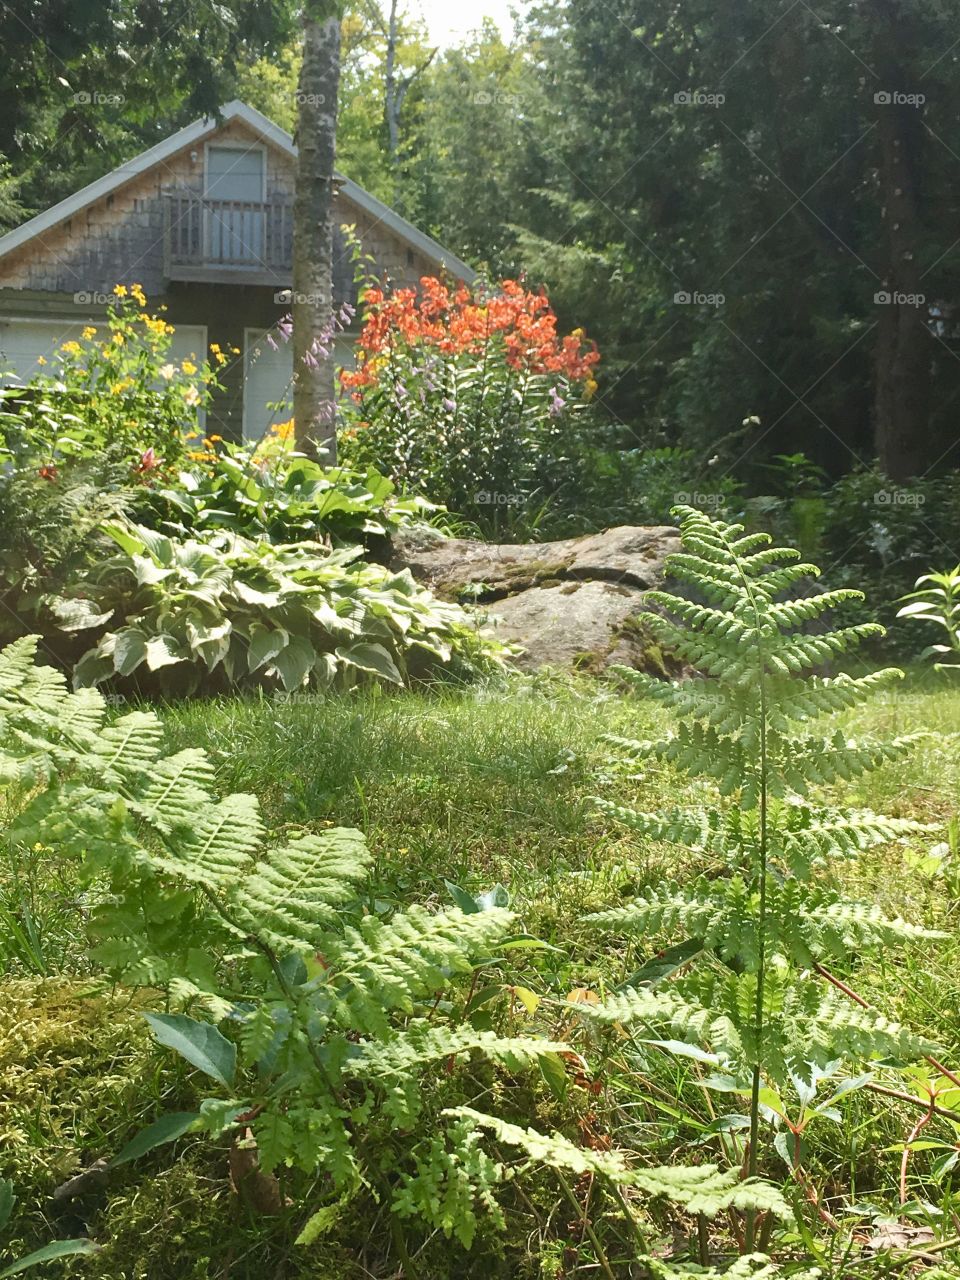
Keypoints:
pixel 314 393
pixel 391 95
pixel 904 343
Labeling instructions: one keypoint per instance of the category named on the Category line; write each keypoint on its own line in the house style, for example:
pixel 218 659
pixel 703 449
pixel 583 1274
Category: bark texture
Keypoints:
pixel 904 352
pixel 314 393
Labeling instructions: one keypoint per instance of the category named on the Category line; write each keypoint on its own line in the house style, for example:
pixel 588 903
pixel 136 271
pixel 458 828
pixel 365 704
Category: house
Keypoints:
pixel 203 221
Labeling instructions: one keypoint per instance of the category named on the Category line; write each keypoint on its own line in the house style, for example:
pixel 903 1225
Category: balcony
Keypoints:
pixel 221 241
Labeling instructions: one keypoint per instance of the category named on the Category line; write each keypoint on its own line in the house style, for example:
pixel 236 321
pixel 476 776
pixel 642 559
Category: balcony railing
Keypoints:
pixel 206 239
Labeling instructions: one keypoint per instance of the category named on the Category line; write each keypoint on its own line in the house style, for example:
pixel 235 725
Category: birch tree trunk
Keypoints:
pixel 314 393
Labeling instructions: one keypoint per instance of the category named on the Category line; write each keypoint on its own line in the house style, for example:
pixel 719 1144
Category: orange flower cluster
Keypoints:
pixel 457 322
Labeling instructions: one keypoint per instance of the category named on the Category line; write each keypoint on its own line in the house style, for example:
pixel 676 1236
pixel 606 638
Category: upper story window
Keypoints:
pixel 235 189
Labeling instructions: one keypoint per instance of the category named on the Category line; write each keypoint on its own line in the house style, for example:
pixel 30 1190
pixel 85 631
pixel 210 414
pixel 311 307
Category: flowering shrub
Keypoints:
pixel 237 564
pixel 114 396
pixel 469 396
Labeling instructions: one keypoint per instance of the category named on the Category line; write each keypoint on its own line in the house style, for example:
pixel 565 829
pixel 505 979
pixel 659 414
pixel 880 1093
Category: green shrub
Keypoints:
pixel 936 599
pixel 268 491
pixel 114 395
pixel 882 536
pixel 84 442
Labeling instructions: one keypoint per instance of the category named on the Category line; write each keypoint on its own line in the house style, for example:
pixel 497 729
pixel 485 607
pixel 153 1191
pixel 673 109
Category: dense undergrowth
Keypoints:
pixel 474 788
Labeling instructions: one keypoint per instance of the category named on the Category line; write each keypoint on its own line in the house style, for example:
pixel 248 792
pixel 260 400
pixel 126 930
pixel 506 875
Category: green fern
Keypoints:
pixel 324 1027
pixel 766 925
pixel 699 1188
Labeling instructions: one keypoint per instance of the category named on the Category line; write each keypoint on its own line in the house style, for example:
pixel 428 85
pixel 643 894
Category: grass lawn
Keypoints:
pixel 478 788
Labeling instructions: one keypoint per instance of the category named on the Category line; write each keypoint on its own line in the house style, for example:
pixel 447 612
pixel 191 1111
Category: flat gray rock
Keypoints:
pixel 575 603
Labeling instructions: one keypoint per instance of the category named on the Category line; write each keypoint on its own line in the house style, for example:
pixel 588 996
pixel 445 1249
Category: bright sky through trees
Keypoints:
pixel 450 21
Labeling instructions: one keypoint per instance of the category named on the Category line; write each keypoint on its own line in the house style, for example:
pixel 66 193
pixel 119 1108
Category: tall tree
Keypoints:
pixel 314 395
pixel 905 344
pixel 396 83
pixel 733 189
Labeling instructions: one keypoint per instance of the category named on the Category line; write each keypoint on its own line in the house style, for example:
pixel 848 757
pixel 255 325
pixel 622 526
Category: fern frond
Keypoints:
pixel 178 786
pixel 699 1189
pixel 793 700
pixel 807 761
pixel 422 1042
pixel 129 747
pixel 667 1014
pixel 382 965
pixel 292 894
pixel 219 846
pixel 703 830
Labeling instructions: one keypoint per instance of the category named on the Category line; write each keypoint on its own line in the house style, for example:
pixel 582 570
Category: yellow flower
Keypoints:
pixel 137 291
pixel 589 388
pixel 213 439
pixel 89 332
pixel 214 347
pixel 118 388
pixel 120 290
pixel 191 396
pixel 167 371
pixel 188 367
pixel 118 338
pixel 71 348
pixel 41 360
pixel 235 350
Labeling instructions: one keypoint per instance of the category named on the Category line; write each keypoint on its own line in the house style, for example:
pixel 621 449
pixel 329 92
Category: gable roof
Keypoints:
pixel 197 132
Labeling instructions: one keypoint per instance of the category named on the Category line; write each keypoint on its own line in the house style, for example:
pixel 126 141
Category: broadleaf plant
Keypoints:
pixel 753 992
pixel 221 610
pixel 332 1031
pixel 937 599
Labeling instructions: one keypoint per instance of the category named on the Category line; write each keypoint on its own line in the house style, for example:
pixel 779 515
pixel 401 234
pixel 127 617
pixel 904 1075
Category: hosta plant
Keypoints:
pixel 763 925
pixel 220 610
pixel 937 599
pixel 268 492
pixel 331 1035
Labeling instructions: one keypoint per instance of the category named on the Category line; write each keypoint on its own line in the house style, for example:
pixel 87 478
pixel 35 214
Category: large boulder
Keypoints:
pixel 576 603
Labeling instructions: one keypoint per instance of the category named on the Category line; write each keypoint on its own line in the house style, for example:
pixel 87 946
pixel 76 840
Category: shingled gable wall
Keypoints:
pixel 119 238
